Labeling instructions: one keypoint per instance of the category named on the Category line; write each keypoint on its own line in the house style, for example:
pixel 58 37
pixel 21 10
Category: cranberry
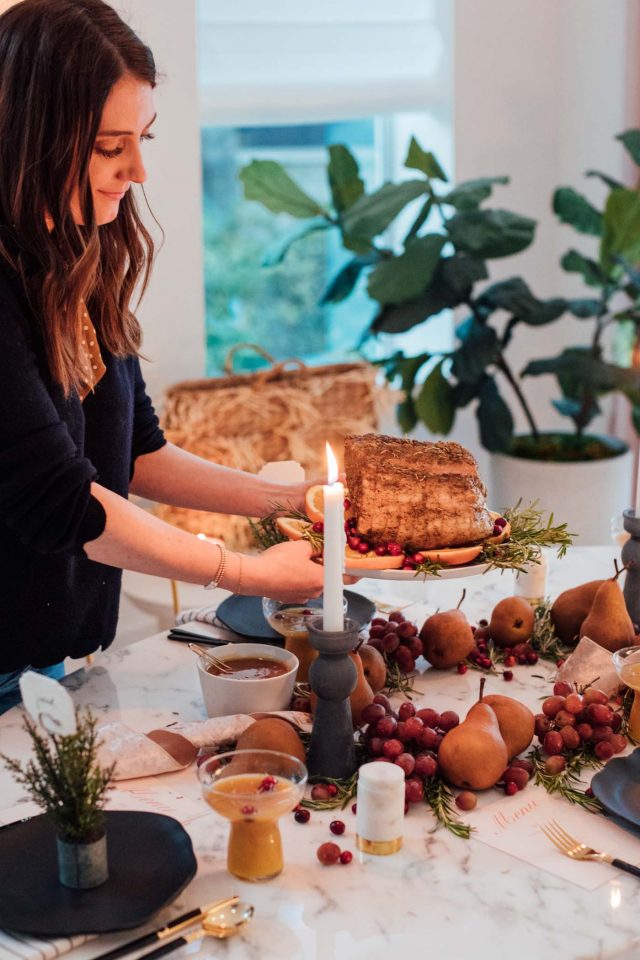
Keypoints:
pixel 267 784
pixel 337 827
pixel 532 657
pixel 510 788
pixel 347 503
pixel 346 856
pixel 363 547
pixel 462 667
pixel 381 550
pixel 354 543
pixel 500 522
pixel 408 566
pixel 510 661
pixel 248 810
pixel 418 558
pixel 507 675
pixel 302 816
pixel 354 808
pixel 318 527
pixel 332 789
pixel 496 530
pixel 394 550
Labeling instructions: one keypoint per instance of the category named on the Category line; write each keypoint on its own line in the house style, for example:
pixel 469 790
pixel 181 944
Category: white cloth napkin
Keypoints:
pixel 14 946
pixel 174 748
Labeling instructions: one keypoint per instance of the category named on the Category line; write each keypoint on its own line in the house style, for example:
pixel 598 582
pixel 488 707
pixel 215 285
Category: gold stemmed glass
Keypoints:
pixel 627 664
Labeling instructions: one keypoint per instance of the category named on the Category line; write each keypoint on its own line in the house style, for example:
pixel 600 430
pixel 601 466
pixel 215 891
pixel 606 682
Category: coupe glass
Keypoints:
pixel 253 789
pixel 627 664
pixel 290 621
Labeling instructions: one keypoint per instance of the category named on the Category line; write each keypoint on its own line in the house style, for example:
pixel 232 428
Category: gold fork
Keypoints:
pixel 580 851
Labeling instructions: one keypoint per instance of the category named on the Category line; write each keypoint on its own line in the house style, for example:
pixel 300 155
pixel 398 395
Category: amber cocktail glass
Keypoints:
pixel 253 789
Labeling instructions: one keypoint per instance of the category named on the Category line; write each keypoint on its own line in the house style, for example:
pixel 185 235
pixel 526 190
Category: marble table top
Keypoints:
pixel 439 896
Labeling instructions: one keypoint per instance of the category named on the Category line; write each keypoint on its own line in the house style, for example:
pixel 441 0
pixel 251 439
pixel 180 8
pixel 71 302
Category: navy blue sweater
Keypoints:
pixel 54 601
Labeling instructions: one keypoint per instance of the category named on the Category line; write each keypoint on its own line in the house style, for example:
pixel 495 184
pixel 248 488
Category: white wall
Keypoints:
pixel 172 312
pixel 540 91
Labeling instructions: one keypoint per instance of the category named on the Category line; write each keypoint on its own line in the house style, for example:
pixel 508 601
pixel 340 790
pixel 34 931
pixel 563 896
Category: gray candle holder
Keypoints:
pixel 333 677
pixel 631 559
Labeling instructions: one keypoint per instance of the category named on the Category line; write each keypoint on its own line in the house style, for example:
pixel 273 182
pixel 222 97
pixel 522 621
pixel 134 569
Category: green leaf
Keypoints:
pixel 404 277
pixel 451 285
pixel 345 279
pixel 277 254
pixel 631 141
pixel 606 179
pixel 573 208
pixel 470 194
pixel 574 262
pixel 584 307
pixel 344 180
pixel 420 220
pixel 490 233
pixel 515 296
pixel 621 236
pixel 478 349
pixel 494 418
pixel 268 182
pixel 419 159
pixel 406 415
pixel 434 403
pixel 370 215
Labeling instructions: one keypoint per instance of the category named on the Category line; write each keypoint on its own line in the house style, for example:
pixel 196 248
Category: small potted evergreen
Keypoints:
pixel 443 263
pixel 65 779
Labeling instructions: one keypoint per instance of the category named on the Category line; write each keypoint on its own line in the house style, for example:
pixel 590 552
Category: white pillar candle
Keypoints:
pixel 334 544
pixel 380 808
pixel 637 504
pixel 532 584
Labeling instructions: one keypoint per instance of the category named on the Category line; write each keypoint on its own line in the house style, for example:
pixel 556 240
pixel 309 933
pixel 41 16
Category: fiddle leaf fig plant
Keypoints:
pixel 443 262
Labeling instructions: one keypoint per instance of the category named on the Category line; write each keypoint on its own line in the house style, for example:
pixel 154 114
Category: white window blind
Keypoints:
pixel 286 61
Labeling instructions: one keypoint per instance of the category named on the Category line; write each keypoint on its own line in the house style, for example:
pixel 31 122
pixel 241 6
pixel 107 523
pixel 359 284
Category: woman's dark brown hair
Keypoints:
pixel 59 60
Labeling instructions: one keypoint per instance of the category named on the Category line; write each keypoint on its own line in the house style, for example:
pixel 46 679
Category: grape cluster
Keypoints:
pixel 570 719
pixel 397 640
pixel 520 653
pixel 409 738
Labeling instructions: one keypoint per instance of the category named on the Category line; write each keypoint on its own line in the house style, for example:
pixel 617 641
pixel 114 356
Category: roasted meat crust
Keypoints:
pixel 417 493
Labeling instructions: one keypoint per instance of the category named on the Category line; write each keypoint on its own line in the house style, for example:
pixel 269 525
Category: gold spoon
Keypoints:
pixel 210 658
pixel 220 922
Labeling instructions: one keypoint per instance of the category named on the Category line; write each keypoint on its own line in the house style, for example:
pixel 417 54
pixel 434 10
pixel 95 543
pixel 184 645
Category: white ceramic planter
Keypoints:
pixel 584 495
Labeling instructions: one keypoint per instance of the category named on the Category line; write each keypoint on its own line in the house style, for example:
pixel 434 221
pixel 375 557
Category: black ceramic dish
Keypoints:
pixel 151 860
pixel 617 787
pixel 244 616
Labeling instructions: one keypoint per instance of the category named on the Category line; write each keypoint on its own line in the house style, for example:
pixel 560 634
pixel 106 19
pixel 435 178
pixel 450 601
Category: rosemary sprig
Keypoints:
pixel 397 681
pixel 267 534
pixel 544 638
pixel 346 792
pixel 438 796
pixel 565 784
pixel 429 568
pixel 529 533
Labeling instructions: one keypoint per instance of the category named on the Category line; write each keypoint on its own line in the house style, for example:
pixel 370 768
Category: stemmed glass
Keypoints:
pixel 290 621
pixel 627 664
pixel 253 789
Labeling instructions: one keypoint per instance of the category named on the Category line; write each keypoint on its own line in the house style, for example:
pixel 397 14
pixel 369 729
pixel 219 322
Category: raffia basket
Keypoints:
pixel 285 412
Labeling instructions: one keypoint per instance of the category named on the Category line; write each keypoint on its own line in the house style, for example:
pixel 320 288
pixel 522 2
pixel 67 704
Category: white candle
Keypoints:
pixel 532 584
pixel 638 489
pixel 334 544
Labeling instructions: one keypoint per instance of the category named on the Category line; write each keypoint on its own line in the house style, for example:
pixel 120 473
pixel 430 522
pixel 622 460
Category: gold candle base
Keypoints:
pixel 379 848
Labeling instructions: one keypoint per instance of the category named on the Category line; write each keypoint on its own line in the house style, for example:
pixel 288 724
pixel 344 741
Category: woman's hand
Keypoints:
pixel 286 572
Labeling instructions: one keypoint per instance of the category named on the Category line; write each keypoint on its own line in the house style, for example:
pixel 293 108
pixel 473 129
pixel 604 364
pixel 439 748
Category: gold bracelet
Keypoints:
pixel 212 584
pixel 239 586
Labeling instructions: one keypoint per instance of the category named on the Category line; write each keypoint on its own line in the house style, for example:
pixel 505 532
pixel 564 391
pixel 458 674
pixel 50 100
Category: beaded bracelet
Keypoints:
pixel 212 584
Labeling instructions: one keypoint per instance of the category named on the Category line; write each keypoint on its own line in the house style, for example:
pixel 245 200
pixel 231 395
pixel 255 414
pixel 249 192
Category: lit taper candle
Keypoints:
pixel 334 545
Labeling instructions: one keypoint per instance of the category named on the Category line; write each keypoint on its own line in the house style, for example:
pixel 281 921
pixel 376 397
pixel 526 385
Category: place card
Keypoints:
pixel 512 824
pixel 48 703
pixel 154 797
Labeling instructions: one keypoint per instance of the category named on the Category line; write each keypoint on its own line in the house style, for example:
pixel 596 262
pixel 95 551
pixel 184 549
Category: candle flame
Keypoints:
pixel 332 466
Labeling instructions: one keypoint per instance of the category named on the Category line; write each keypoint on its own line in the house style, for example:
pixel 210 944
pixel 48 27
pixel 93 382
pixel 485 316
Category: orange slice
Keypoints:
pixel 453 556
pixel 291 527
pixel 371 560
pixel 314 503
pixel 499 537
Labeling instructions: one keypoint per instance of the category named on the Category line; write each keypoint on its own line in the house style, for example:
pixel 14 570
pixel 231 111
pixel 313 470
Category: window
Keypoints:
pixel 284 85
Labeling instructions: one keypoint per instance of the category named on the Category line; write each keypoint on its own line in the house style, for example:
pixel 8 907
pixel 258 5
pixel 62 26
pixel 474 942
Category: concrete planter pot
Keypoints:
pixel 584 494
pixel 82 866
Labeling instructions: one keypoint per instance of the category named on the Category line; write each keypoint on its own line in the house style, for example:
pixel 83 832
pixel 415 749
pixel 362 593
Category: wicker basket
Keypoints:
pixel 286 412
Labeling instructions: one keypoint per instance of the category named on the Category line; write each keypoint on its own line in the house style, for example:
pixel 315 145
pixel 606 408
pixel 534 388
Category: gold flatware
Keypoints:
pixel 210 658
pixel 175 926
pixel 580 851
pixel 221 923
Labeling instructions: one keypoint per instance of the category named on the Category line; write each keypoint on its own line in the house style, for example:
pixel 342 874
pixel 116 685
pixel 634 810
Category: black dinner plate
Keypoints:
pixel 244 616
pixel 150 857
pixel 617 787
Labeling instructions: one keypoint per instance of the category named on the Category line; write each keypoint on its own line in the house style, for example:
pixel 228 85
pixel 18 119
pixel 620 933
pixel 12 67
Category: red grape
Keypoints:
pixel 466 800
pixel 428 739
pixel 390 642
pixel 553 742
pixel 542 724
pixel 406 630
pixel 555 765
pixel 570 737
pixel 373 712
pixel 430 718
pixel 416 647
pixel 574 703
pixel 413 790
pixel 591 695
pixel 618 741
pixel 448 720
pixel 404 660
pixel 601 733
pixel 616 722
pixel 524 765
pixel 377 631
pixel 426 766
pixel 565 719
pixel 407 762
pixel 414 727
pixel 603 750
pixel 319 791
pixel 406 710
pixel 328 853
pixel 384 701
pixel 386 727
pixel 376 746
pixel 396 616
pixel 600 713
pixel 393 748
pixel 585 732
pixel 562 688
pixel 551 706
pixel 516 775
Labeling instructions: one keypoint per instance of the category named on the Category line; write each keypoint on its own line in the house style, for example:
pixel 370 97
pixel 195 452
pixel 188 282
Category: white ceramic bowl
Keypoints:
pixel 224 696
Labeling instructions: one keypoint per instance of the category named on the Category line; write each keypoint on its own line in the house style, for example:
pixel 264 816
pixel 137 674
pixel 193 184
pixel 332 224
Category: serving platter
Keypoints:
pixel 446 573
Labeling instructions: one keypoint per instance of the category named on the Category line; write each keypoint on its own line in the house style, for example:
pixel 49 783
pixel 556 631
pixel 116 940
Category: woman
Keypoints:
pixel 77 431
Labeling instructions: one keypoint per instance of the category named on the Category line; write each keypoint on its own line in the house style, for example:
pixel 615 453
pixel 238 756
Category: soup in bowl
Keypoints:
pixel 262 679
